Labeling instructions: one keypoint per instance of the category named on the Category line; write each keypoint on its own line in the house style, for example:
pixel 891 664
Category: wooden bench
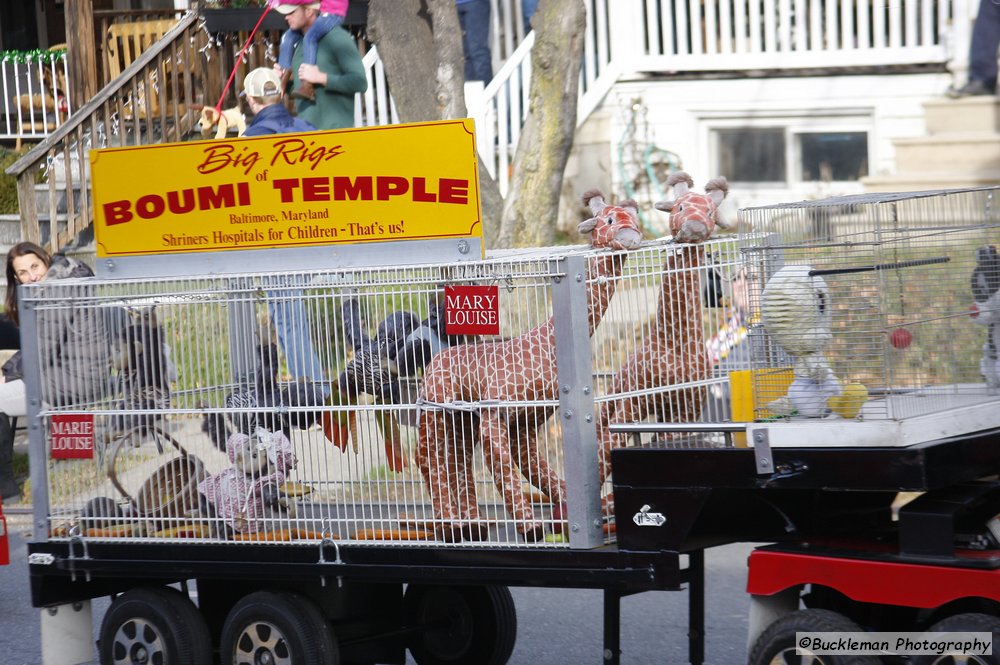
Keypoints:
pixel 125 43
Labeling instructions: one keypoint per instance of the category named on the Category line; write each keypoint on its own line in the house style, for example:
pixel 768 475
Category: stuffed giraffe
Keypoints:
pixel 694 216
pixel 522 369
pixel 673 351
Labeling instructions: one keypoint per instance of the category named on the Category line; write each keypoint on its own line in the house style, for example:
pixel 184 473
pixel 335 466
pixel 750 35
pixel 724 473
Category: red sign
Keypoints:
pixel 72 436
pixel 472 310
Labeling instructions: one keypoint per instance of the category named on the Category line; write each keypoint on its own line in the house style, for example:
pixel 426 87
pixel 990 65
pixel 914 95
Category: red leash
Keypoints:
pixel 239 59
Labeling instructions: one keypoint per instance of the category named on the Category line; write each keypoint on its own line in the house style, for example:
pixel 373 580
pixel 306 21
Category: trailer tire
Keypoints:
pixel 965 623
pixel 777 643
pixel 461 625
pixel 154 624
pixel 289 626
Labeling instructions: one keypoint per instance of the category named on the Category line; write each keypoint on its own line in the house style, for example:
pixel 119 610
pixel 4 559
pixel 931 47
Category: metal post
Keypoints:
pixel 37 458
pixel 696 607
pixel 612 626
pixel 576 404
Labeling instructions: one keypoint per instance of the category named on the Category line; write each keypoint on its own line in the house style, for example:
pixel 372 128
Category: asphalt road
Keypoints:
pixel 555 626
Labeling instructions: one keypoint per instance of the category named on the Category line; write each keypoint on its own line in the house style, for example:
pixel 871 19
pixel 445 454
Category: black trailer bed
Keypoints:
pixel 685 498
pixel 64 577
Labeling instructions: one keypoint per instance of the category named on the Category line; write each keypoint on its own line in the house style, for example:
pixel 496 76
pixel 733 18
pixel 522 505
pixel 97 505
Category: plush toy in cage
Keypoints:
pixel 694 216
pixel 864 247
pixel 249 493
pixel 672 351
pixel 521 369
pixel 145 371
pixel 402 347
pixel 795 309
pixel 167 499
pixel 373 369
pixel 265 401
pixel 986 310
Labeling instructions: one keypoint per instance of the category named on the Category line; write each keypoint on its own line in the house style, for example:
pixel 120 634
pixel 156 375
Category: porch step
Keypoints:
pixel 961 148
pixel 929 180
pixel 969 114
pixel 42 196
pixel 956 150
pixel 10 231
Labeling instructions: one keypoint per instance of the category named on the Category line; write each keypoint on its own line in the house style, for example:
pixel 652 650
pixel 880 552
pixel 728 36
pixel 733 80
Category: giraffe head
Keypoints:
pixel 694 216
pixel 614 226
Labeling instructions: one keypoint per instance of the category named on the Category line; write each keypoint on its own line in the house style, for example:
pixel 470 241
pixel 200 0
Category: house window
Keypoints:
pixel 841 156
pixel 796 153
pixel 752 154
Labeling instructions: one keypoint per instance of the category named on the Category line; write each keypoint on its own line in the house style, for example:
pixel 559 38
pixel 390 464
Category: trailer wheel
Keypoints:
pixel 776 645
pixel 154 625
pixel 279 629
pixel 964 623
pixel 461 625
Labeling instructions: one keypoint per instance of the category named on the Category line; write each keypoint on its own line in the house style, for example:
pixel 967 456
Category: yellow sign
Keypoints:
pixel 399 182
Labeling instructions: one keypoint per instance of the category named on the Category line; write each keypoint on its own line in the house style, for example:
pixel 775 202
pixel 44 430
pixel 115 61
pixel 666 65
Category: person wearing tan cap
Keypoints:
pixel 262 89
pixel 337 75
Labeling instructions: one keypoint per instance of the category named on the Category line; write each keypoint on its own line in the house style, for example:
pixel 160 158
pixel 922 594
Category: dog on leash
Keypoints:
pixel 220 122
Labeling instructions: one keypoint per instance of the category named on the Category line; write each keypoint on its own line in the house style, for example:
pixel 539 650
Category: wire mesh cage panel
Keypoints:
pixel 873 317
pixel 343 404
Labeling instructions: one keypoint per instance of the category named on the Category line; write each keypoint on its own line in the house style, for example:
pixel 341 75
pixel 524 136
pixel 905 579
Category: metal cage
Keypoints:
pixel 209 419
pixel 872 317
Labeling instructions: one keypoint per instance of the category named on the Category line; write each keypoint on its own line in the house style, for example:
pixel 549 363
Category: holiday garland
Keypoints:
pixel 29 57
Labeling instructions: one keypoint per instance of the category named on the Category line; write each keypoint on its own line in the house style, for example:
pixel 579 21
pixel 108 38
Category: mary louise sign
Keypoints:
pixel 472 310
pixel 72 436
pixel 400 182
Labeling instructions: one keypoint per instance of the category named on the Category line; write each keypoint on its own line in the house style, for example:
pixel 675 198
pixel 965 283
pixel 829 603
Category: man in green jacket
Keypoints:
pixel 337 75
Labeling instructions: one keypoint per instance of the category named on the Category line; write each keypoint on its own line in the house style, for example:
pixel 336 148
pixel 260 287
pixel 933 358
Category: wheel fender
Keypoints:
pixel 765 610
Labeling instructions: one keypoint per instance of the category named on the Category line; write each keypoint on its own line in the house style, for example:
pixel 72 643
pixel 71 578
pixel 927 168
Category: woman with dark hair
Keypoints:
pixel 66 373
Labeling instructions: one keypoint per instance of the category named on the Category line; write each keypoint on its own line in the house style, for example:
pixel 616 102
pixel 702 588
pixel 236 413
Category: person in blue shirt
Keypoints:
pixel 263 93
pixel 262 90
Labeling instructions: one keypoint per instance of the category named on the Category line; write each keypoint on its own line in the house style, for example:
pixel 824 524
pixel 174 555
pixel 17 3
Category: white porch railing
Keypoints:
pixel 700 35
pixel 35 94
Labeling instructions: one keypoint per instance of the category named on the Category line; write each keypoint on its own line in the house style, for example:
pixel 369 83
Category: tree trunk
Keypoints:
pixel 420 44
pixel 532 205
pixel 81 50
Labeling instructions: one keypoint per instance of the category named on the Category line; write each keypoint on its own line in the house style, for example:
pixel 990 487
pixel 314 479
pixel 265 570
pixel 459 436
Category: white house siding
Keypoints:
pixel 683 113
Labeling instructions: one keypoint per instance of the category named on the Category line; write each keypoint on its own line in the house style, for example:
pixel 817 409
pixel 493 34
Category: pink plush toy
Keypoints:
pixel 249 492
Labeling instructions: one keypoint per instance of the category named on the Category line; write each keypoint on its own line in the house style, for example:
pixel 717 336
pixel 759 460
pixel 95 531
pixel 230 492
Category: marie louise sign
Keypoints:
pixel 71 436
pixel 400 182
